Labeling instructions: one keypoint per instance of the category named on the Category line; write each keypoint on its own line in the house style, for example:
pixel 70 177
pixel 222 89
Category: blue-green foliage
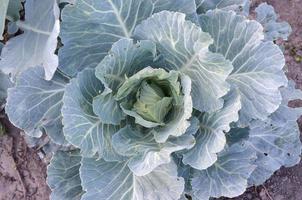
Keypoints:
pixel 159 99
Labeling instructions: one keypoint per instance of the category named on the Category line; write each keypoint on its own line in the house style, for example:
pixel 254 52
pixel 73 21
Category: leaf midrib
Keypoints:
pixel 119 19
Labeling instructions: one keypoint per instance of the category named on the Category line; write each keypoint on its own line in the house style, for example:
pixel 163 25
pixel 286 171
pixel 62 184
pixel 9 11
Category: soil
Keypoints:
pixel 23 173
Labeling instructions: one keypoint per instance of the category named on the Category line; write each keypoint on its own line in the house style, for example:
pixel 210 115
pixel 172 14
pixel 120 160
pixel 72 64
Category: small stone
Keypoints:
pixel 298 58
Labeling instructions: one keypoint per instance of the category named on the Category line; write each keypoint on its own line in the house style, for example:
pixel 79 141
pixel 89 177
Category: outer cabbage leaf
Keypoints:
pixel 144 152
pixel 90 27
pixel 227 177
pixel 34 104
pixel 3 10
pixel 114 180
pixel 1 46
pixel 185 171
pixel 82 127
pixel 257 64
pixel 108 109
pixel 210 137
pixel 63 176
pixel 184 47
pixel 240 6
pixel 276 140
pixel 36 46
pixel 265 14
pixel 5 83
pixel 276 146
pixel 46 145
pixel 12 28
pixel 124 60
pixel 284 112
pixel 9 9
pixel 68 1
pixel 237 135
pixel 13 10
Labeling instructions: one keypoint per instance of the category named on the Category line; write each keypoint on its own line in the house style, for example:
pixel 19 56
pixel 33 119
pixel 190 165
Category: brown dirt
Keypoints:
pixel 22 173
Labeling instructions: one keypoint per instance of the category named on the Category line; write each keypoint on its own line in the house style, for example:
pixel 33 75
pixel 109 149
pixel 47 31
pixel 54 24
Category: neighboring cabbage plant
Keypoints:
pixel 159 99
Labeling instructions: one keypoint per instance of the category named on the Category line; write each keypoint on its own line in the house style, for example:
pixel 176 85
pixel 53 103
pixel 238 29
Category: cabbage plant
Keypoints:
pixel 158 99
